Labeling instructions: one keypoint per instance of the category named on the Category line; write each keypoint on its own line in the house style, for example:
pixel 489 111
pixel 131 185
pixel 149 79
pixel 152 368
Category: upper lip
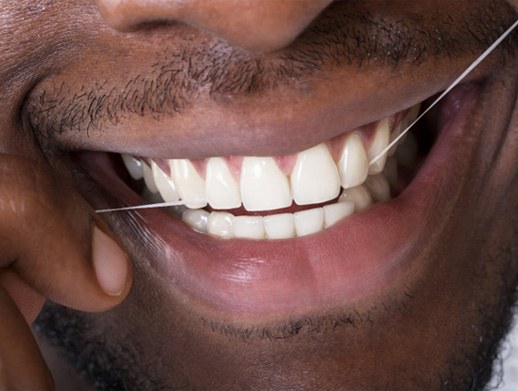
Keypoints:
pixel 269 127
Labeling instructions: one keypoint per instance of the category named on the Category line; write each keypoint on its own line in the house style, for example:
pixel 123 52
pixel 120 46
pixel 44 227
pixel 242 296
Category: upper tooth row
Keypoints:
pixel 315 177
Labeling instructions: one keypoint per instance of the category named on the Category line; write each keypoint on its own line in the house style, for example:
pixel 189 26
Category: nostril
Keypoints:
pixel 256 25
pixel 129 15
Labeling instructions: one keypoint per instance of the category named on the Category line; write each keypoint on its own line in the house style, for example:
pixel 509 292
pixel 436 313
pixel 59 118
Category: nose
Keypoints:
pixel 257 25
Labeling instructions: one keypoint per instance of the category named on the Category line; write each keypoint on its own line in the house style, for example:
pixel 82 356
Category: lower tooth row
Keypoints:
pixel 287 225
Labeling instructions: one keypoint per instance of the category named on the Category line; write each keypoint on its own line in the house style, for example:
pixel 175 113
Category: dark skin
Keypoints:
pixel 436 325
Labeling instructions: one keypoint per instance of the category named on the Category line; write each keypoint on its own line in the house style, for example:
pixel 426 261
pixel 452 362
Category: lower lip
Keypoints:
pixel 366 255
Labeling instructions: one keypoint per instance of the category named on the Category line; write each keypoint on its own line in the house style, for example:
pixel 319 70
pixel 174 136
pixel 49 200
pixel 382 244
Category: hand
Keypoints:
pixel 52 245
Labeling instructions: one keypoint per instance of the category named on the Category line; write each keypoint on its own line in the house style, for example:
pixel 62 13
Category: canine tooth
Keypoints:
pixel 220 224
pixel 263 185
pixel 134 166
pixel 314 178
pixel 336 212
pixel 148 178
pixel 358 195
pixel 197 219
pixel 353 164
pixel 248 227
pixel 164 184
pixel 189 184
pixel 279 226
pixel 378 144
pixel 379 187
pixel 220 186
pixel 309 221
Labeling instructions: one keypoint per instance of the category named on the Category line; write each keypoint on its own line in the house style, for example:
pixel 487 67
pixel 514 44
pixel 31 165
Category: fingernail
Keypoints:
pixel 110 263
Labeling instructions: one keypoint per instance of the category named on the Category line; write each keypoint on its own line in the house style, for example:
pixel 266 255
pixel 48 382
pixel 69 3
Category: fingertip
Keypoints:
pixel 111 264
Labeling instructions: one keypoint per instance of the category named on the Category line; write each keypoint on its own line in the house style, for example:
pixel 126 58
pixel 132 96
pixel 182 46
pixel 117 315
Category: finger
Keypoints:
pixel 51 238
pixel 21 364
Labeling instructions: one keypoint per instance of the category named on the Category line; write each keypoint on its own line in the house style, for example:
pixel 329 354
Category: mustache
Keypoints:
pixel 343 36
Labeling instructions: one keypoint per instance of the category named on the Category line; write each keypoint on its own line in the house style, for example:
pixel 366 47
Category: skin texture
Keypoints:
pixel 438 327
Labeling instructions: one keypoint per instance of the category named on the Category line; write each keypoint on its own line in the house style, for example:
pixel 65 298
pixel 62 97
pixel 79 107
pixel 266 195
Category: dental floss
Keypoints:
pixel 145 206
pixel 468 70
pixel 451 87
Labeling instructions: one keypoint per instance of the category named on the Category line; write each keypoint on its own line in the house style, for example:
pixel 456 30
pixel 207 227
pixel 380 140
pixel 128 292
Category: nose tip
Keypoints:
pixel 256 25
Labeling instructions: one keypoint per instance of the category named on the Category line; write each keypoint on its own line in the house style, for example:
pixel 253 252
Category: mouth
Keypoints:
pixel 282 197
pixel 261 236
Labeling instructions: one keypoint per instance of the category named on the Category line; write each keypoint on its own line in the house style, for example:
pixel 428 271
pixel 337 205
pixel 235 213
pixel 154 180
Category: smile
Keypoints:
pixel 324 241
pixel 240 197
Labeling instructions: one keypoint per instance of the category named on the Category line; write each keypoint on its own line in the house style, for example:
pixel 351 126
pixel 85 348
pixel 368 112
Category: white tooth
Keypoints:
pixel 280 226
pixel 197 219
pixel 379 187
pixel 353 164
pixel 164 184
pixel 263 185
pixel 406 153
pixel 314 177
pixel 248 227
pixel 220 186
pixel 335 212
pixel 379 142
pixel 134 166
pixel 309 221
pixel 390 172
pixel 358 195
pixel 220 224
pixel 148 178
pixel 189 184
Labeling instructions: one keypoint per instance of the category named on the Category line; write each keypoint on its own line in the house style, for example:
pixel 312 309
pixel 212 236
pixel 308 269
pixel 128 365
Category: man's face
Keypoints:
pixel 328 280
